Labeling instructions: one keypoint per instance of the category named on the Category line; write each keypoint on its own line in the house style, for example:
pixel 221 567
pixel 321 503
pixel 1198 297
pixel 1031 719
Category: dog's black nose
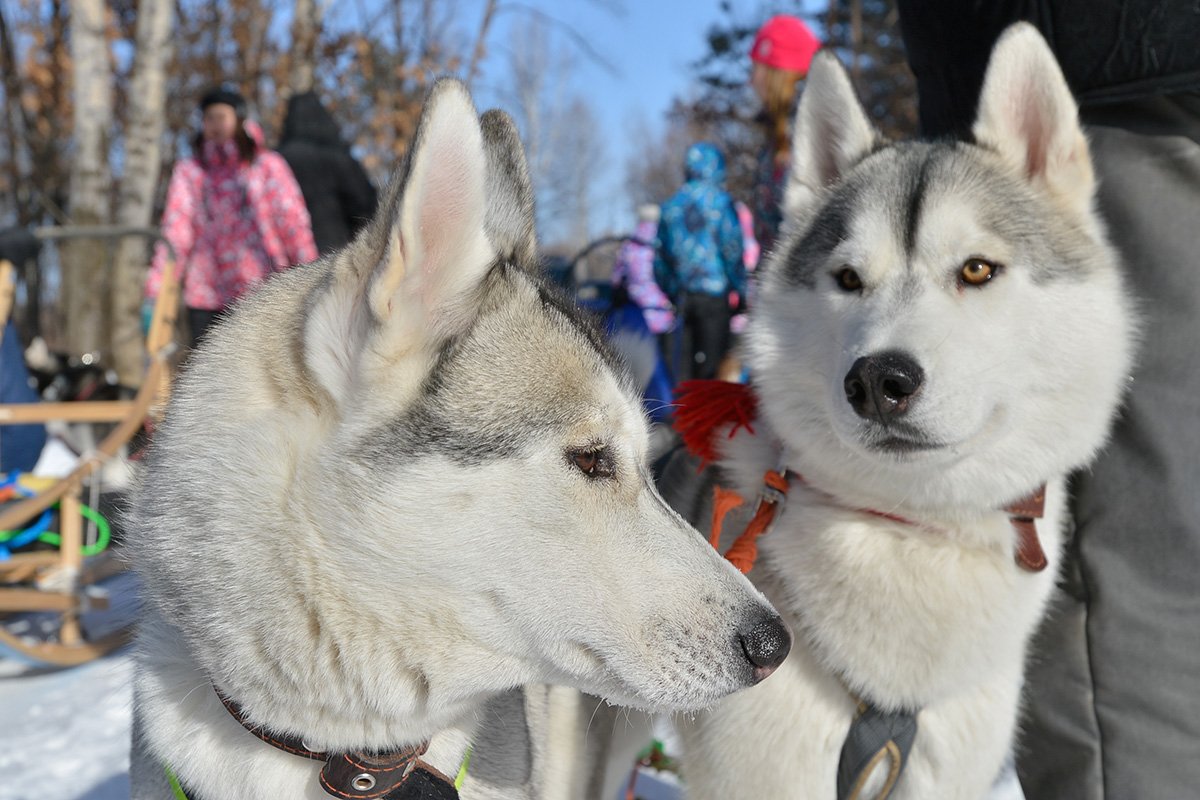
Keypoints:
pixel 766 644
pixel 881 386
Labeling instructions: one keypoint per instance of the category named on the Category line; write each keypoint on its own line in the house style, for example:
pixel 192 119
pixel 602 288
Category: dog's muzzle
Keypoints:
pixel 880 387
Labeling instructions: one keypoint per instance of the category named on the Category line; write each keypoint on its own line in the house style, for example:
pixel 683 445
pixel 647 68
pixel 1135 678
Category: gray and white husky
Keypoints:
pixel 942 330
pixel 401 480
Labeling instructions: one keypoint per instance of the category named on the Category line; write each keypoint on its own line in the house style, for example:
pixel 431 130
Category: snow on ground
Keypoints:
pixel 64 734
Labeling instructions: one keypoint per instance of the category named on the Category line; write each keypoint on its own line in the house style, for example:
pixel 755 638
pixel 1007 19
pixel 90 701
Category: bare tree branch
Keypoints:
pixel 15 109
pixel 559 130
pixel 485 24
pixel 577 38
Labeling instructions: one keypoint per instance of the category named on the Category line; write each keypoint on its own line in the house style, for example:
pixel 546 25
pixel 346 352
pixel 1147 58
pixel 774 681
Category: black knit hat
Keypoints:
pixel 220 94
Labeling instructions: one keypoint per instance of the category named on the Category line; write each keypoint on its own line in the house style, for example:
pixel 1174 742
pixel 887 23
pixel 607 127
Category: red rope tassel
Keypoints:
pixel 705 406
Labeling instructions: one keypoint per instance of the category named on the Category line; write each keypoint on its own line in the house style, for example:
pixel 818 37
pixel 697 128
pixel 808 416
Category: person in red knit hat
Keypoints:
pixel 782 52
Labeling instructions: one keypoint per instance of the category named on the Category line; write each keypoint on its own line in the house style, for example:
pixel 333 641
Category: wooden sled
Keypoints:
pixel 57 582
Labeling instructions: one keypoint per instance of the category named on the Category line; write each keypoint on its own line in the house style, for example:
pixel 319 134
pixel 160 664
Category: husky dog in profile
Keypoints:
pixel 401 480
pixel 941 331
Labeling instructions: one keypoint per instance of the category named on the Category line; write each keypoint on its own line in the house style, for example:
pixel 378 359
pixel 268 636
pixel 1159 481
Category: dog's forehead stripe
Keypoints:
pixel 832 223
pixel 917 184
pixel 829 227
pixel 470 432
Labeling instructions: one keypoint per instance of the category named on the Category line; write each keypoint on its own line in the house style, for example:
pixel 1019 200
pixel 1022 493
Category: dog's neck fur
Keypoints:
pixel 898 656
pixel 328 683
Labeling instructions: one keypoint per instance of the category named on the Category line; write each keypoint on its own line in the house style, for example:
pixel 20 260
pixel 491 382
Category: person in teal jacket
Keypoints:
pixel 699 260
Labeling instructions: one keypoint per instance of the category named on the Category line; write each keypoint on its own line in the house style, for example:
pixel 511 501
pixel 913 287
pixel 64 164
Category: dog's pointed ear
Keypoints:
pixel 1027 114
pixel 437 254
pixel 510 202
pixel 832 133
pixel 415 279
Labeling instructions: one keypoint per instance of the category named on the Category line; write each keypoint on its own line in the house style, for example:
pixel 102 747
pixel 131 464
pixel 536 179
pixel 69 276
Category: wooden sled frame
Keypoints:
pixel 57 582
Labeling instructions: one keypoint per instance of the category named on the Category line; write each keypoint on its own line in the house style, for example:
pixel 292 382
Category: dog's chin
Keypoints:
pixel 654 701
pixel 908 444
pixel 644 692
pixel 890 448
pixel 903 448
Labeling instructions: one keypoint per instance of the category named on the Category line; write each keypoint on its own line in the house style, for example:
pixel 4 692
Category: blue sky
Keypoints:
pixel 651 46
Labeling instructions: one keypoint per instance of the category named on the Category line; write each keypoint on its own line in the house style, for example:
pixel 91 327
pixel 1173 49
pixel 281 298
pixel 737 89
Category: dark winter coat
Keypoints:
pixel 1109 52
pixel 339 196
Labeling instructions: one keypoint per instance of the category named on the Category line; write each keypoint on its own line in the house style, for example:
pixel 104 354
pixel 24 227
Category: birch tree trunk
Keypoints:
pixel 143 160
pixel 306 28
pixel 84 273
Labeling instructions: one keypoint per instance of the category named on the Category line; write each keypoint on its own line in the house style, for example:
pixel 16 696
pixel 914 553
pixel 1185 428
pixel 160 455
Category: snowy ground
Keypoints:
pixel 64 734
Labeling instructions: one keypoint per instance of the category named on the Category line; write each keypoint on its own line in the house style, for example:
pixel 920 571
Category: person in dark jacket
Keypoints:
pixel 339 196
pixel 1112 707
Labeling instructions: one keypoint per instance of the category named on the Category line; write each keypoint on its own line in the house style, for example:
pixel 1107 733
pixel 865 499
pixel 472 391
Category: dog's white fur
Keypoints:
pixel 1023 379
pixel 361 518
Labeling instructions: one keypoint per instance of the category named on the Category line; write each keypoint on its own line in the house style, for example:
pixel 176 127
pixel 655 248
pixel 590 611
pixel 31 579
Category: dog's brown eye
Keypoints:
pixel 848 280
pixel 977 272
pixel 595 463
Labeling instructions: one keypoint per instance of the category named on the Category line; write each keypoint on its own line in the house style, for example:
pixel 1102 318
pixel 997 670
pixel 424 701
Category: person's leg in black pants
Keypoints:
pixel 708 318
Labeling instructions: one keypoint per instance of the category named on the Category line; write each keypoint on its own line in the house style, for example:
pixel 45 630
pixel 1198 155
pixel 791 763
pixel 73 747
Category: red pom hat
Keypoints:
pixel 785 43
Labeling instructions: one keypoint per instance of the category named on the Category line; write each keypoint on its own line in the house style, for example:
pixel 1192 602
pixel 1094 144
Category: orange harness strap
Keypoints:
pixel 744 551
pixel 724 501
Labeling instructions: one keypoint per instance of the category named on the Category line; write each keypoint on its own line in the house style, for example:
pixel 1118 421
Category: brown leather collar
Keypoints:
pixel 1022 514
pixel 397 775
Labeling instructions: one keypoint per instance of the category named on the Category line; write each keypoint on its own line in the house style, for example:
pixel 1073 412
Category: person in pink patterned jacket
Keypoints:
pixel 234 214
pixel 634 269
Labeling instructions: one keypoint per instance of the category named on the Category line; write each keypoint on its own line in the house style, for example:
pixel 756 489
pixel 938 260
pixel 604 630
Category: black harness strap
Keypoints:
pixel 876 737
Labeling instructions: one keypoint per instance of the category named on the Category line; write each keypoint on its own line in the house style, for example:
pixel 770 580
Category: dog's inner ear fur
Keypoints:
pixel 832 133
pixel 510 203
pixel 438 252
pixel 1027 114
